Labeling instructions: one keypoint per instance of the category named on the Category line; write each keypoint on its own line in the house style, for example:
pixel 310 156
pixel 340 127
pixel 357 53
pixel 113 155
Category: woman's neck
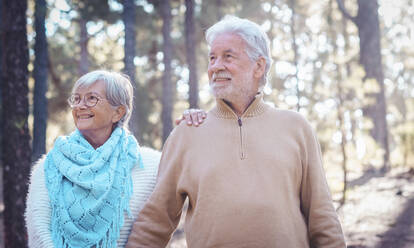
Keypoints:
pixel 97 137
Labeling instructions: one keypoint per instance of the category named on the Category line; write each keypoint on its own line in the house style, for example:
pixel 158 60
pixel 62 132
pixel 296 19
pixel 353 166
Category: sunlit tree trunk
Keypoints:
pixel 16 154
pixel 367 22
pixel 190 43
pixel 167 87
pixel 40 76
pixel 129 19
pixel 292 4
pixel 340 98
pixel 83 44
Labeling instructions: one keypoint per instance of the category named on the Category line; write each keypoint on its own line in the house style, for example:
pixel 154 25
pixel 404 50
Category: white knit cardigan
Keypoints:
pixel 38 209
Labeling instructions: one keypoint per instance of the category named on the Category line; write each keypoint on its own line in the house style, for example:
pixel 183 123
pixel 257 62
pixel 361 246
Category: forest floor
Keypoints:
pixel 379 212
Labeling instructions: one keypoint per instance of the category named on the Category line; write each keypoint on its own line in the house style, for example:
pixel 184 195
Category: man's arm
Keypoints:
pixel 160 216
pixel 316 203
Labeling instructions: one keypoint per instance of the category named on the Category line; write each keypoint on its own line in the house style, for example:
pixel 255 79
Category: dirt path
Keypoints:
pixel 380 213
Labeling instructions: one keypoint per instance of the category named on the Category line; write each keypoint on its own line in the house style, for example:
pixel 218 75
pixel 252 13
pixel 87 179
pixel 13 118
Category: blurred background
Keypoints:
pixel 346 65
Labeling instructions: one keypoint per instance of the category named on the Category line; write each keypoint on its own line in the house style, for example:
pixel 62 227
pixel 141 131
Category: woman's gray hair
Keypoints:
pixel 257 41
pixel 119 90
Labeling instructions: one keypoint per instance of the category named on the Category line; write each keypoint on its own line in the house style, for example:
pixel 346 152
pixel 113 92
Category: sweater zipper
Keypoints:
pixel 241 138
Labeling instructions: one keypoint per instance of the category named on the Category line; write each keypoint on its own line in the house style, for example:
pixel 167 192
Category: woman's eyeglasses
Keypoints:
pixel 90 99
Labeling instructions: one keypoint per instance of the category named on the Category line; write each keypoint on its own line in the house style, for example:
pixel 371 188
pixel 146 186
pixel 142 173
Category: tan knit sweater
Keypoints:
pixel 252 182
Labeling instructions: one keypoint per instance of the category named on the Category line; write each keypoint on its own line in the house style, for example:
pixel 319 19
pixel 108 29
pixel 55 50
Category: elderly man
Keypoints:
pixel 252 173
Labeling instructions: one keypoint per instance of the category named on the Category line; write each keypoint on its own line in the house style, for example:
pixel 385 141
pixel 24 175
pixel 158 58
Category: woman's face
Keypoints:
pixel 96 120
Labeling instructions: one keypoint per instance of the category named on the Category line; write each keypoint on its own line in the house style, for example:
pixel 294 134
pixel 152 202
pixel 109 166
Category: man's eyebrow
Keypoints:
pixel 225 51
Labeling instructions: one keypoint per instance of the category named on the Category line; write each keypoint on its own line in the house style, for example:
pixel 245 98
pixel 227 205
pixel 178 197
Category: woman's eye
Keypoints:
pixel 75 98
pixel 92 98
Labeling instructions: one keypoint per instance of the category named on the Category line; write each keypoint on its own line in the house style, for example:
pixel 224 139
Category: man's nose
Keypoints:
pixel 218 65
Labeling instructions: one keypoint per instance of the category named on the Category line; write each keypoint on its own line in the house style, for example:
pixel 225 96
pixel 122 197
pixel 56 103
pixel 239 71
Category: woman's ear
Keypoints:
pixel 119 113
pixel 260 67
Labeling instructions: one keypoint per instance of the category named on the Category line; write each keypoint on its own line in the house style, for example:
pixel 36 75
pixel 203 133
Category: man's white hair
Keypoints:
pixel 256 39
pixel 118 87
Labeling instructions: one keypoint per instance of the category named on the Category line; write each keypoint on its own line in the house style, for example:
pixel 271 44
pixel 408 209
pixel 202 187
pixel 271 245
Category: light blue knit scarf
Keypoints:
pixel 89 189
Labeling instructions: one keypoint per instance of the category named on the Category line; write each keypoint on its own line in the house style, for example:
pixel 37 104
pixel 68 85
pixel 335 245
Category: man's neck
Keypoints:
pixel 240 106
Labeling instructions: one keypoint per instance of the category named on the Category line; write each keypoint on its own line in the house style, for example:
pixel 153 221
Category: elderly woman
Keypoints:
pixel 89 188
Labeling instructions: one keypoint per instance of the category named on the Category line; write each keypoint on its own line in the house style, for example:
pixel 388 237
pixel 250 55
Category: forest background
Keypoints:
pixel 347 66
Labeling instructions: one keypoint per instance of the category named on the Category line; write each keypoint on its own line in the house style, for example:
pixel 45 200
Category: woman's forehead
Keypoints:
pixel 97 86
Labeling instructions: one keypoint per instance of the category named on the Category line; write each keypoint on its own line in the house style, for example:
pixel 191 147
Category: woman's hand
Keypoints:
pixel 192 117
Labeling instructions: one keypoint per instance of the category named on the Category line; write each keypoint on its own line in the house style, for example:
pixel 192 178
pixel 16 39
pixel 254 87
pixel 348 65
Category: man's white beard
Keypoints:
pixel 233 91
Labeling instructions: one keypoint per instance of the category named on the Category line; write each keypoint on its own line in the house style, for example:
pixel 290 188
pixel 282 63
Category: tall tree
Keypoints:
pixel 367 22
pixel 83 44
pixel 292 5
pixel 191 43
pixel 90 10
pixel 129 18
pixel 167 89
pixel 40 77
pixel 1 106
pixel 16 154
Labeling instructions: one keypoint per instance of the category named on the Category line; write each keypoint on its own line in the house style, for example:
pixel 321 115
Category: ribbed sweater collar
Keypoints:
pixel 223 110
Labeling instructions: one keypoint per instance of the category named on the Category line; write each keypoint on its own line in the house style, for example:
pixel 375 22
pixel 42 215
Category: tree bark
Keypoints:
pixel 367 22
pixel 40 111
pixel 129 18
pixel 16 144
pixel 295 51
pixel 167 89
pixel 191 53
pixel 83 44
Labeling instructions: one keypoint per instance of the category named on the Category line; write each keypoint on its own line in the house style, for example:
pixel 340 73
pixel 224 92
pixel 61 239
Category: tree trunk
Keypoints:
pixel 167 89
pixel 83 44
pixel 370 58
pixel 340 97
pixel 295 51
pixel 16 153
pixel 219 7
pixel 40 77
pixel 129 18
pixel 191 53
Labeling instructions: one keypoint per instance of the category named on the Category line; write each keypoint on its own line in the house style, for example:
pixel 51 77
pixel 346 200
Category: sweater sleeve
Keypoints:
pixel 38 210
pixel 160 216
pixel 324 228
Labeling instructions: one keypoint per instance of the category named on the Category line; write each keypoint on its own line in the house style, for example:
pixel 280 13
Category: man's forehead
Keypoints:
pixel 229 50
pixel 227 42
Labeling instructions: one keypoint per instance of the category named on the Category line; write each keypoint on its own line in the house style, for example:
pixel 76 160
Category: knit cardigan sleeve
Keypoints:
pixel 38 210
pixel 324 228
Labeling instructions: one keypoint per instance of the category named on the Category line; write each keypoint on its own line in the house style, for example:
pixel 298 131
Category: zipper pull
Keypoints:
pixel 239 121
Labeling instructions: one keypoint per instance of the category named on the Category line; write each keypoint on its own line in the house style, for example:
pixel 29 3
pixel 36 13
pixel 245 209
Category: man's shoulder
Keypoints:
pixel 287 115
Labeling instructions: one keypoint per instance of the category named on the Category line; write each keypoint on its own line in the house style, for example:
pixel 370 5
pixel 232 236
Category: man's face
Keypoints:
pixel 230 70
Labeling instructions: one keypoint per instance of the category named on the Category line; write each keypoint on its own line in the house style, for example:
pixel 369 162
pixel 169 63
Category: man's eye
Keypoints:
pixel 212 58
pixel 228 55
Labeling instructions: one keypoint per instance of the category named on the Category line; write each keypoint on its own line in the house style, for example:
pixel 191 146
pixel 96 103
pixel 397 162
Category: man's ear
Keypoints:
pixel 260 67
pixel 119 113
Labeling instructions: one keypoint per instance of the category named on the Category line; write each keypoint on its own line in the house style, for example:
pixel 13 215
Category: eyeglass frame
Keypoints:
pixel 84 99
